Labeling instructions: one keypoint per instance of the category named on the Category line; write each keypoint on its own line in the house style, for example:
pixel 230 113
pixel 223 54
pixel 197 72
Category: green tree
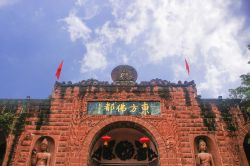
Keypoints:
pixel 6 120
pixel 243 92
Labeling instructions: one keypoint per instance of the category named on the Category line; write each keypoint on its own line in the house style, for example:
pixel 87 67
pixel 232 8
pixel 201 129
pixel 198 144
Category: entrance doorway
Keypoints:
pixel 124 147
pixel 246 146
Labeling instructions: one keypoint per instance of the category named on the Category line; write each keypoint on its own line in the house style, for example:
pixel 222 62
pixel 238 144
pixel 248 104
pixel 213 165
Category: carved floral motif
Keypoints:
pixel 169 133
pixel 80 125
pixel 27 139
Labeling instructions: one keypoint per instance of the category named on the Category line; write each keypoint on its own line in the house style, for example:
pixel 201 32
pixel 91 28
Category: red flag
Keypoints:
pixel 58 71
pixel 187 67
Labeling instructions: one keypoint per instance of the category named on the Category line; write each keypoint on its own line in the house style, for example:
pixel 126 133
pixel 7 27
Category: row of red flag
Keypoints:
pixel 59 69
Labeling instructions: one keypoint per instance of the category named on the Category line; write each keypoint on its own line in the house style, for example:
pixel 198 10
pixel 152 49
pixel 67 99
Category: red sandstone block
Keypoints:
pixel 26 143
pixel 186 144
pixel 184 139
pixel 60 155
pixel 74 160
pixel 59 160
pixel 172 161
pixel 46 128
pixel 188 155
pixel 62 149
pixel 30 127
pixel 58 124
pixel 54 132
pixel 57 116
pixel 170 155
pixel 62 128
pixel 63 138
pixel 55 111
pixel 187 161
pixel 67 120
pixel 62 144
pixel 76 164
pixel 20 164
pixel 39 132
pixel 185 150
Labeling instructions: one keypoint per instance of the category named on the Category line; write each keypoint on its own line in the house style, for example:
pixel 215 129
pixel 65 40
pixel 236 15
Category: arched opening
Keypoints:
pixel 124 147
pixel 43 151
pixel 210 148
pixel 246 145
pixel 2 147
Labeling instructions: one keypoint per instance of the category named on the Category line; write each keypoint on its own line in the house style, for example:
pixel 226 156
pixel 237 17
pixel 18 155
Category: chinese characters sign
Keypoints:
pixel 123 108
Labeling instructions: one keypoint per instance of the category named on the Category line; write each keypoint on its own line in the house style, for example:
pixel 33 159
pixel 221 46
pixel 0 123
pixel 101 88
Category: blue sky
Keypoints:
pixel 94 36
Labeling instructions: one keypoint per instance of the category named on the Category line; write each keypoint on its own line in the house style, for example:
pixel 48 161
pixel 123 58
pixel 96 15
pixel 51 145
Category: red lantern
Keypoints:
pixel 105 139
pixel 144 141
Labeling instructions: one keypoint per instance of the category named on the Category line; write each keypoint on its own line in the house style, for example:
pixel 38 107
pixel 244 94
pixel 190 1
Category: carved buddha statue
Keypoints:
pixel 41 158
pixel 203 158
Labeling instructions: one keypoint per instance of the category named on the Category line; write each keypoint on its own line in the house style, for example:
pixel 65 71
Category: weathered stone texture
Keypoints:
pixel 64 118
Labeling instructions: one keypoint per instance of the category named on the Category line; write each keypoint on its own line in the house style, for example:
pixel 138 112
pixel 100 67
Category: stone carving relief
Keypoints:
pixel 234 149
pixel 128 77
pixel 25 142
pixel 43 151
pixel 169 133
pixel 27 139
pixel 203 158
pixel 79 128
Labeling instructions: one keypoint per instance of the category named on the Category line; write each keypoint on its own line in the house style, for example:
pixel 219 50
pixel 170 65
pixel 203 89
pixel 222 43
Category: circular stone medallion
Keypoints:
pixel 124 73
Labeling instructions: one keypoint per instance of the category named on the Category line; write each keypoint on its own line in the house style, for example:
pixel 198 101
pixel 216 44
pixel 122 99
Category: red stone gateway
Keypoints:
pixel 181 128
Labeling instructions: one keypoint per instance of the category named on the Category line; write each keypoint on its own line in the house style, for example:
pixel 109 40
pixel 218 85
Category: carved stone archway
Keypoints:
pixel 124 147
pixel 142 126
pixel 246 146
pixel 212 148
pixel 242 134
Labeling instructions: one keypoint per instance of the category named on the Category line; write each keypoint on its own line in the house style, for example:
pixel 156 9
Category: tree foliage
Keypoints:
pixel 243 92
pixel 6 121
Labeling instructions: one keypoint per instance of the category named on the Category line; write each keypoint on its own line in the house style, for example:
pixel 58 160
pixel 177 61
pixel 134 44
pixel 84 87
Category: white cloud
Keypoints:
pixel 109 34
pixel 88 8
pixel 80 2
pixel 77 28
pixel 213 81
pixel 94 57
pixel 208 33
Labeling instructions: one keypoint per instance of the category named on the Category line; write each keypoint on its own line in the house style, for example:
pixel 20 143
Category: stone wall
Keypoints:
pixel 184 119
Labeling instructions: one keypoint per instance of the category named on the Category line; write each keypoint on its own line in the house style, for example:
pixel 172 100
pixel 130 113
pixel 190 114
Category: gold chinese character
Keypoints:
pixel 99 107
pixel 121 107
pixel 112 106
pixel 109 107
pixel 144 108
pixel 133 108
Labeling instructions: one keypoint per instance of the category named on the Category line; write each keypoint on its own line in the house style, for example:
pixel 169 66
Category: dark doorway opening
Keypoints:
pixel 123 149
pixel 246 146
pixel 2 147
